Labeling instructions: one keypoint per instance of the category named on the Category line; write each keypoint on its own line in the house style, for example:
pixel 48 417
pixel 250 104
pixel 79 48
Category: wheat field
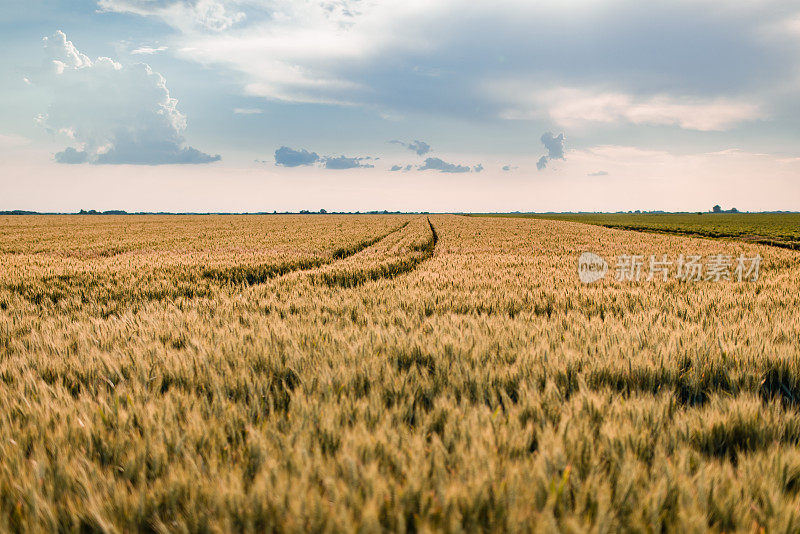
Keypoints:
pixel 339 373
pixel 776 229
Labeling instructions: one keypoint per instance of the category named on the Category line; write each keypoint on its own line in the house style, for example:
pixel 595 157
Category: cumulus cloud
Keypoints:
pixel 71 156
pixel 288 157
pixel 403 168
pixel 420 147
pixel 555 149
pixel 343 162
pixel 478 168
pixel 436 164
pixel 554 145
pixel 598 173
pixel 115 114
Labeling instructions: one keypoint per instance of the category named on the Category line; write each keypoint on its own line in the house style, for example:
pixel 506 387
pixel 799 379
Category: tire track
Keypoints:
pixel 258 274
pixel 388 270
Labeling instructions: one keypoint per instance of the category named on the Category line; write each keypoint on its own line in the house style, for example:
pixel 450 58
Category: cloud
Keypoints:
pixel 666 63
pixel 288 157
pixel 71 156
pixel 343 162
pixel 437 164
pixel 598 173
pixel 420 147
pixel 555 149
pixel 509 167
pixel 115 114
pixel 142 150
pixel 214 15
pixel 554 145
pixel 542 163
pixel 62 54
pixel 478 168
pixel 404 168
pixel 248 111
pixel 577 107
pixel 148 50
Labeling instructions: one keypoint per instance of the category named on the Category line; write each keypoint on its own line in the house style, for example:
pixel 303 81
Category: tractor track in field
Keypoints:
pixel 403 265
pixel 183 282
pixel 259 274
pixel 115 293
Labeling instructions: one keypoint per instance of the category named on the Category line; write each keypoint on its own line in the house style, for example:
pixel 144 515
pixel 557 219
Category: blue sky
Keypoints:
pixel 555 105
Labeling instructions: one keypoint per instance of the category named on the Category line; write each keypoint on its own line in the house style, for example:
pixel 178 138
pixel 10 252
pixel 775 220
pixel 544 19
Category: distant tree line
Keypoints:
pixel 718 209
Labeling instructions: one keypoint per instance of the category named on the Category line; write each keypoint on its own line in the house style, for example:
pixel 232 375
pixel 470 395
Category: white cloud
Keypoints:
pixel 214 15
pixel 248 111
pixel 148 50
pixel 113 113
pixel 294 50
pixel 574 107
pixel 693 65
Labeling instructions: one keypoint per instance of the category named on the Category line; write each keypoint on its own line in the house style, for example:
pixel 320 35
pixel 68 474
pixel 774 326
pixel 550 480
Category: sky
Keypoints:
pixel 415 105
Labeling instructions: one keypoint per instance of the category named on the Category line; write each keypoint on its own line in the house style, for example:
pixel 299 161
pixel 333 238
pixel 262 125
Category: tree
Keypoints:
pixel 717 209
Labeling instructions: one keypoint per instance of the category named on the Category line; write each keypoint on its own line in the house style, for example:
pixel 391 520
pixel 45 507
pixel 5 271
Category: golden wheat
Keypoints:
pixel 340 373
